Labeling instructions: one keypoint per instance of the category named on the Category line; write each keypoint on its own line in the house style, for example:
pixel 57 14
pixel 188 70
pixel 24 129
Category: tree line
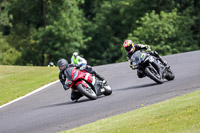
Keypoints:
pixel 37 32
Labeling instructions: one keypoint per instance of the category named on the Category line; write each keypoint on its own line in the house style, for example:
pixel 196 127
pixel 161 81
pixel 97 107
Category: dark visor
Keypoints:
pixel 128 48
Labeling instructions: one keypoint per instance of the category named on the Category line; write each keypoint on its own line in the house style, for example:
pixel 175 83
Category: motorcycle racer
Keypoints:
pixel 76 59
pixel 65 76
pixel 82 65
pixel 66 73
pixel 131 48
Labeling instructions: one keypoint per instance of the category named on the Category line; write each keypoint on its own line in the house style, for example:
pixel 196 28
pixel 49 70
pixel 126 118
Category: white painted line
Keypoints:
pixel 31 93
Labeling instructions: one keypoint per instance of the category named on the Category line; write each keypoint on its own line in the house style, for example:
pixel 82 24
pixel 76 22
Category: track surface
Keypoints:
pixel 51 109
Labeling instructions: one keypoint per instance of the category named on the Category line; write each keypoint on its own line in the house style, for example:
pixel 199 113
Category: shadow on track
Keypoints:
pixel 64 103
pixel 138 86
pixel 69 103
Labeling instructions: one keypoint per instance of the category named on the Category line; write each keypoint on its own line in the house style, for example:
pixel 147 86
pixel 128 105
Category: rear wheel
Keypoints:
pixel 170 75
pixel 88 92
pixel 108 90
pixel 153 74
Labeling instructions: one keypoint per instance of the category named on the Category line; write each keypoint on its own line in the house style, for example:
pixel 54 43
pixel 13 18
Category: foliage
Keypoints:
pixel 60 38
pixel 8 54
pixel 168 33
pixel 107 33
pixel 46 30
pixel 4 17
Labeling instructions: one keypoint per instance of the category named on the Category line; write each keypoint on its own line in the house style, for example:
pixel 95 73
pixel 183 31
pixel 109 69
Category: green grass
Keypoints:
pixel 178 115
pixel 16 81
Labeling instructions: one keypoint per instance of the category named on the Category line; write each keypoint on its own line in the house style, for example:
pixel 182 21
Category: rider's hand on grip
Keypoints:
pixel 82 67
pixel 77 66
pixel 131 66
pixel 67 84
pixel 65 87
pixel 148 48
pixel 89 67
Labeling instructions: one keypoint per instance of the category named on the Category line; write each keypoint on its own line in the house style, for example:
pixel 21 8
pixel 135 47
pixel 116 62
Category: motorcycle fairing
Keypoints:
pixel 77 75
pixel 83 83
pixel 140 56
pixel 137 58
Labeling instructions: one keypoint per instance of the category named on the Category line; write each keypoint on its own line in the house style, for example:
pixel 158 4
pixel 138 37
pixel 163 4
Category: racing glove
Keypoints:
pixel 131 66
pixel 148 48
pixel 68 83
pixel 82 67
pixel 77 66
pixel 65 87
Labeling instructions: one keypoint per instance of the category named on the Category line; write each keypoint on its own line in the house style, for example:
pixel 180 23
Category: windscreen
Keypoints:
pixel 138 57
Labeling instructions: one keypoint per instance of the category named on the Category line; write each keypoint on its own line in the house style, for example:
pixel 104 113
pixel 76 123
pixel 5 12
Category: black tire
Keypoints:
pixel 149 73
pixel 170 75
pixel 88 92
pixel 108 90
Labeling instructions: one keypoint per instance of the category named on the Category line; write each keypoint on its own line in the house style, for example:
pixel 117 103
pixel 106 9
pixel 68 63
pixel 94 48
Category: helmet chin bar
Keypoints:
pixel 62 67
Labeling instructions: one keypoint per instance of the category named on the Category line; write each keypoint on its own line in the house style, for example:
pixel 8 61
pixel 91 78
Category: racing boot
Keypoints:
pixel 164 62
pixel 93 72
pixel 75 95
pixel 160 58
pixel 99 77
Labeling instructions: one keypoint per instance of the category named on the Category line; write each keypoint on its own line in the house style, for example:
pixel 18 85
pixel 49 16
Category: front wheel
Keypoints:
pixel 88 92
pixel 153 74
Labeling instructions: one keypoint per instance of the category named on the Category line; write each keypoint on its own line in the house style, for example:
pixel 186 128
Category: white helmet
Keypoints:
pixel 75 54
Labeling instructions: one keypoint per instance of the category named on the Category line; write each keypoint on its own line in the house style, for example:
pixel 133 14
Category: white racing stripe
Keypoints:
pixel 93 80
pixel 31 93
pixel 86 76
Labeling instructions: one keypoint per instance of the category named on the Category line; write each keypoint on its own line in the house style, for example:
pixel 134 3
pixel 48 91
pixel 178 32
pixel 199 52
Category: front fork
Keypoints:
pixel 158 67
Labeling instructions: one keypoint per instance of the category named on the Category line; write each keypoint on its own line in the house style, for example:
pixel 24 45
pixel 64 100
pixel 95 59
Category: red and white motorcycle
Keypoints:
pixel 88 85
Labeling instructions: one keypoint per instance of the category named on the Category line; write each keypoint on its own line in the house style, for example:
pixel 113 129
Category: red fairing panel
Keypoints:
pixel 88 77
pixel 81 75
pixel 77 74
pixel 82 82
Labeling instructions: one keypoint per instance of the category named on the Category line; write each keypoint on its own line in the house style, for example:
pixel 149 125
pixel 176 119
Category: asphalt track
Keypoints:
pixel 51 109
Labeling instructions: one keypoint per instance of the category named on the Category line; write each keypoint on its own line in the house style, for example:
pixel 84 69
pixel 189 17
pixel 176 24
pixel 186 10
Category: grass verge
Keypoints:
pixel 178 115
pixel 16 81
